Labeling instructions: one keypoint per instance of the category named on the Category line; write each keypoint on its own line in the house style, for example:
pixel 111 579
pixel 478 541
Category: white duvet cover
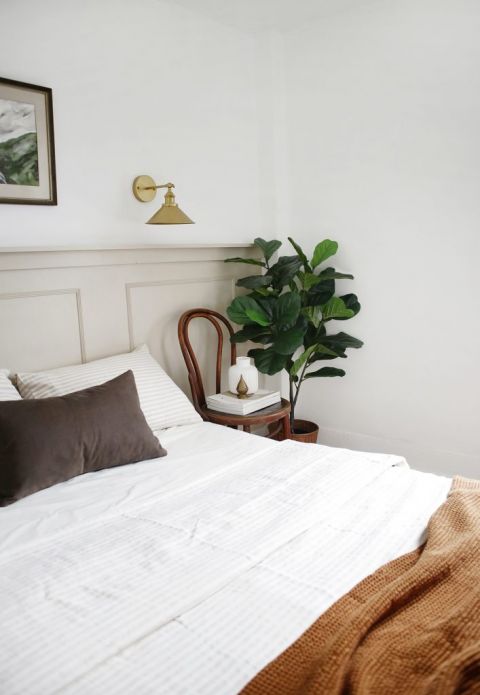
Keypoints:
pixel 188 574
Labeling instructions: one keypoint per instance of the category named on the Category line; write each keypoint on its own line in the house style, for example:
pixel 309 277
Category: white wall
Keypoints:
pixel 138 87
pixel 383 106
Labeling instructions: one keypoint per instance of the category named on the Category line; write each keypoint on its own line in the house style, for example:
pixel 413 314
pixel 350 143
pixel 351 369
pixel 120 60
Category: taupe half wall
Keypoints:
pixel 65 306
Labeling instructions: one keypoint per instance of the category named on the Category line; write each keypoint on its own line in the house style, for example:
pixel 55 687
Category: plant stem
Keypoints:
pixel 294 398
pixel 292 406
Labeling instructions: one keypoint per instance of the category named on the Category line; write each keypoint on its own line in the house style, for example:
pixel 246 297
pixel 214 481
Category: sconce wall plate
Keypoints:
pixel 145 189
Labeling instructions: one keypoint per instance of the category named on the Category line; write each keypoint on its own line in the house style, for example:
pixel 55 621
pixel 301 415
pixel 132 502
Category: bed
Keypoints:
pixel 195 572
pixel 188 574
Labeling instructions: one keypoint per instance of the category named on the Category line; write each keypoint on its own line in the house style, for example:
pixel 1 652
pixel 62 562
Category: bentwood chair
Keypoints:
pixel 278 413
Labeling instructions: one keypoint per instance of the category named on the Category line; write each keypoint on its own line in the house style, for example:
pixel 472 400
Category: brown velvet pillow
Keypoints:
pixel 48 440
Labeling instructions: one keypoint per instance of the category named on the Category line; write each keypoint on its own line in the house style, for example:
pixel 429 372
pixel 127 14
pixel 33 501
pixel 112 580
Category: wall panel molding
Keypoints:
pixel 34 312
pixel 129 287
pixel 94 303
pixel 37 258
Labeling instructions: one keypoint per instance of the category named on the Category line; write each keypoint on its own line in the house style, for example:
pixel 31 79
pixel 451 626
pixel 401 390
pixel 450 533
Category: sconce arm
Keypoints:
pixel 154 188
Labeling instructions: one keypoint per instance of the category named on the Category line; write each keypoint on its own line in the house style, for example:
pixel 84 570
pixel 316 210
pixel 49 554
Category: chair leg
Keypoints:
pixel 286 427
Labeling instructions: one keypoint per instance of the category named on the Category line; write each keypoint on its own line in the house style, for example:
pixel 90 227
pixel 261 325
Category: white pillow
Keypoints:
pixel 8 392
pixel 163 403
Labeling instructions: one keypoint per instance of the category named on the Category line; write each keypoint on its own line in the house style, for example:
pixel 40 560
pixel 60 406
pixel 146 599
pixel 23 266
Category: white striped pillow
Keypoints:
pixel 8 392
pixel 163 403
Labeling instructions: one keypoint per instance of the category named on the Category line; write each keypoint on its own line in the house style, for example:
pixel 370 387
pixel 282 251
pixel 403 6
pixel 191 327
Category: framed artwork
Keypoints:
pixel 27 151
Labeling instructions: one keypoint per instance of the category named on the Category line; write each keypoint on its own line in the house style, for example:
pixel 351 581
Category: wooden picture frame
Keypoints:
pixel 27 149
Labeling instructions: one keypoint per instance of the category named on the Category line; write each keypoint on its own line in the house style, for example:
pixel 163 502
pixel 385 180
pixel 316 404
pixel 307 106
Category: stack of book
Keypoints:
pixel 229 403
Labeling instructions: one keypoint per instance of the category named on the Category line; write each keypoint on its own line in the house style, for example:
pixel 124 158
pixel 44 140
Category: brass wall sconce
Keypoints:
pixel 145 189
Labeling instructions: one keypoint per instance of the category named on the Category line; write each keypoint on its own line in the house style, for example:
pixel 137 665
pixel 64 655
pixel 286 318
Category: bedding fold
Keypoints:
pixel 411 627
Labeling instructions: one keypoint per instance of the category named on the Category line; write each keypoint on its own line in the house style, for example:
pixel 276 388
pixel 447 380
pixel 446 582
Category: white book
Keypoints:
pixel 243 411
pixel 229 398
pixel 228 403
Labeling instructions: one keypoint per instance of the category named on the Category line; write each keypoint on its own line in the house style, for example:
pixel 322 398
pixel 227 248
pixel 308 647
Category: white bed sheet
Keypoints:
pixel 189 573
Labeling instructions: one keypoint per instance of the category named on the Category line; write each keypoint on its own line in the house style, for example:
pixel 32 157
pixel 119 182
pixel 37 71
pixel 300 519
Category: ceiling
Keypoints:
pixel 266 14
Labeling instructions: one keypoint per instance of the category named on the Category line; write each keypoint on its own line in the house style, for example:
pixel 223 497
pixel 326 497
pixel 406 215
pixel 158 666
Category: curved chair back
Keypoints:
pixel 194 373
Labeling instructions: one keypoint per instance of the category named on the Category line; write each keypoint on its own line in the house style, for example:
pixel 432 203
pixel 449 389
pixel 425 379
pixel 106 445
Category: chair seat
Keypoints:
pixel 271 413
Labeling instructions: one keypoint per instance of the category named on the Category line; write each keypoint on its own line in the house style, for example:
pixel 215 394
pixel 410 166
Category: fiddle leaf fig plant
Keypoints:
pixel 288 311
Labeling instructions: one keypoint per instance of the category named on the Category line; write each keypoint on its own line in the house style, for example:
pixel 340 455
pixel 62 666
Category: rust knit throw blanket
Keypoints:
pixel 411 628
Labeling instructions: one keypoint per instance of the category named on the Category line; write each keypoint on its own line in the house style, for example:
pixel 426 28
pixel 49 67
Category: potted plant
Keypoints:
pixel 288 309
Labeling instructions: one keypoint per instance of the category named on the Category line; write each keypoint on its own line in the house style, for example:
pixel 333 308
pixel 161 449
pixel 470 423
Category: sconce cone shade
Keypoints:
pixel 170 213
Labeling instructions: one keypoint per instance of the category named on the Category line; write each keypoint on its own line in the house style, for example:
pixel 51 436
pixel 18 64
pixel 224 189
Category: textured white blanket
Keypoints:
pixel 188 574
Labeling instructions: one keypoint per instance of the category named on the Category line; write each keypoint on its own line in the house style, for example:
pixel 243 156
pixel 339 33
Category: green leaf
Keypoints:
pixel 324 250
pixel 260 292
pixel 288 366
pixel 287 342
pixel 351 302
pixel 326 371
pixel 336 351
pixel 321 357
pixel 286 310
pixel 341 341
pixel 254 281
pixel 313 335
pixel 309 280
pixel 327 351
pixel 246 310
pixel 250 261
pixel 300 254
pixel 331 274
pixel 321 292
pixel 255 333
pixel 284 271
pixel 300 361
pixel 268 247
pixel 268 361
pixel 335 308
pixel 268 305
pixel 313 314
